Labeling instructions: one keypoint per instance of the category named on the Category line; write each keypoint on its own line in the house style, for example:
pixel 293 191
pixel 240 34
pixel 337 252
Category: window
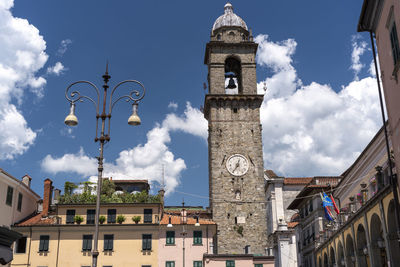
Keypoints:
pixel 108 242
pixel 148 214
pixel 169 264
pixel 9 198
pixel 146 242
pixel 170 240
pixel 197 264
pixel 111 215
pixel 107 265
pixel 394 43
pixel 20 245
pixel 87 242
pixel 311 206
pixel 44 243
pixel 90 215
pixel 258 265
pixel 70 216
pixel 19 206
pixel 230 263
pixel 197 237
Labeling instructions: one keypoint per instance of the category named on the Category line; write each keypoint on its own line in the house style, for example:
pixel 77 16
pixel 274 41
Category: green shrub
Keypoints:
pixel 120 218
pixel 102 219
pixel 136 219
pixel 78 219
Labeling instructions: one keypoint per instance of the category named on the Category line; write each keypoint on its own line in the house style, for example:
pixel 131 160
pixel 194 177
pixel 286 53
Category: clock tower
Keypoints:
pixel 232 108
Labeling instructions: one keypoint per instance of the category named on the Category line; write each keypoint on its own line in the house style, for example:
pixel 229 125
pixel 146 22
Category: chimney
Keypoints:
pixel 56 196
pixel 47 192
pixel 26 179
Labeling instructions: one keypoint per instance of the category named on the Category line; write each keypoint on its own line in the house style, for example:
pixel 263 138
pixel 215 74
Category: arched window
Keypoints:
pixel 233 79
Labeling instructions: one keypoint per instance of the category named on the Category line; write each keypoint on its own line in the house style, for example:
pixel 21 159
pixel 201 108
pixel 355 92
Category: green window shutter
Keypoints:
pixel 258 265
pixel 90 216
pixel 111 215
pixel 70 216
pixel 10 191
pixel 87 242
pixel 108 242
pixel 170 237
pixel 19 202
pixel 230 263
pixel 146 242
pixel 44 243
pixel 197 237
pixel 148 216
pixel 197 264
pixel 169 264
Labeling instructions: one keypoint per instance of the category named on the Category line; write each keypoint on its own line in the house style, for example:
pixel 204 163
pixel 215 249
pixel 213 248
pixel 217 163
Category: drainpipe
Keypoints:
pixel 58 246
pixel 30 245
pixel 393 180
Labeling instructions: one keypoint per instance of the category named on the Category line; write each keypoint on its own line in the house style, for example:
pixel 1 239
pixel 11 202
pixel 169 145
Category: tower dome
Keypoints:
pixel 229 19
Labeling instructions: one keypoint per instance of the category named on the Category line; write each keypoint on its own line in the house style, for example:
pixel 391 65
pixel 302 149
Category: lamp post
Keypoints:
pixel 71 120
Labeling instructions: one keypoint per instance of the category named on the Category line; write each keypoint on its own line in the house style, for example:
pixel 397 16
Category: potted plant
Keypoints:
pixel 120 219
pixel 102 219
pixel 78 219
pixel 136 219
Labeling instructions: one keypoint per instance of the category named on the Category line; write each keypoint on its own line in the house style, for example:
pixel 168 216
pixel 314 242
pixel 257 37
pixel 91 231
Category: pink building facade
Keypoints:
pixel 382 18
pixel 184 242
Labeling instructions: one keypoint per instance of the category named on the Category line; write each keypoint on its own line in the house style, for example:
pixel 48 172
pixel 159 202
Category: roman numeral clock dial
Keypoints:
pixel 237 165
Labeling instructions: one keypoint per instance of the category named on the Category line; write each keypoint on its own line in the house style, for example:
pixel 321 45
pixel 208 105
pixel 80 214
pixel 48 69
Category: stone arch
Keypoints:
pixel 392 233
pixel 332 260
pixel 233 75
pixel 350 257
pixel 340 255
pixel 377 241
pixel 325 260
pixel 362 249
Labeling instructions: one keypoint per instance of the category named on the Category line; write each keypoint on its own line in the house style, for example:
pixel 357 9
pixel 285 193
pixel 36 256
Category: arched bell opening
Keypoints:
pixel 392 233
pixel 377 241
pixel 362 248
pixel 233 76
pixel 340 255
pixel 350 257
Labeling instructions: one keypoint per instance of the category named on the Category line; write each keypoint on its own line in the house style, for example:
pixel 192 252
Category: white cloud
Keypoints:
pixel 359 47
pixel 57 69
pixel 143 161
pixel 79 163
pixel 173 105
pixel 22 54
pixel 311 129
pixel 63 47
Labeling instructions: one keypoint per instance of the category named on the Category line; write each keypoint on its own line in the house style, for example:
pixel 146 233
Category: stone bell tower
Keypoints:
pixel 232 108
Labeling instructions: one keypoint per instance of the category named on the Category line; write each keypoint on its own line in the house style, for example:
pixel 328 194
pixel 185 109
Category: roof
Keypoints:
pixel 20 182
pixel 317 184
pixel 297 180
pixel 270 173
pixel 38 220
pixel 292 224
pixel 229 19
pixel 176 219
pixel 370 15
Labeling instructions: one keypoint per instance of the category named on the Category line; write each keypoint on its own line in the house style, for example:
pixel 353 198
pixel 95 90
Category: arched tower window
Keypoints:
pixel 233 77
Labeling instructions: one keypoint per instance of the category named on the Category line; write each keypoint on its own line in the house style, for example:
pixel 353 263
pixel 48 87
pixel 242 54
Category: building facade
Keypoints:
pixel 280 192
pixel 56 237
pixel 232 108
pixel 311 220
pixel 366 232
pixel 382 19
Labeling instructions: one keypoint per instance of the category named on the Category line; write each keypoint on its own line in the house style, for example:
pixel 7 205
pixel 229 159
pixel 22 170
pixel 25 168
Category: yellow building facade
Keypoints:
pixel 56 239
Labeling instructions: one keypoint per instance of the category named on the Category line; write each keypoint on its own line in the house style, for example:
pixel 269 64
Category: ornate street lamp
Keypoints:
pixel 71 120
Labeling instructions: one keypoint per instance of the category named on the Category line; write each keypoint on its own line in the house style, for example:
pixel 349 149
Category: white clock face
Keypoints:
pixel 237 165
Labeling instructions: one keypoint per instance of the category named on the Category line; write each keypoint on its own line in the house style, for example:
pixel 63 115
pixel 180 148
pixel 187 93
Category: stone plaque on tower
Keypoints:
pixel 232 108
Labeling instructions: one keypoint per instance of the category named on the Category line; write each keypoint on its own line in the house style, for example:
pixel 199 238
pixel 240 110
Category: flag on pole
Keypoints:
pixel 334 205
pixel 327 205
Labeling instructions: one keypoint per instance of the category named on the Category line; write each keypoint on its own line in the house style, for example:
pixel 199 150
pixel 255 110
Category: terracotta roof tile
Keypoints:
pixel 175 219
pixel 38 220
pixel 297 180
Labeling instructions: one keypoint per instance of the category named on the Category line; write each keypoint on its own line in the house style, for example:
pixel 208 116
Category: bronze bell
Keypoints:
pixel 231 84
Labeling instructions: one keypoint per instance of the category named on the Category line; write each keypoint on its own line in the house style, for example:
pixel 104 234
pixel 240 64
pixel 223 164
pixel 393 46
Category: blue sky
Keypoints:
pixel 319 112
